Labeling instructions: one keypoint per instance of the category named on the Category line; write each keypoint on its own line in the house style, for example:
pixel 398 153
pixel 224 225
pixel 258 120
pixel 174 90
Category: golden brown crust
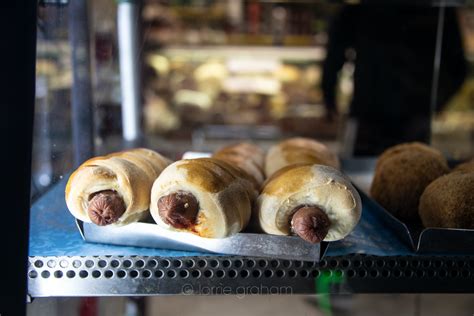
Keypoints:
pixel 248 157
pixel 313 186
pixel 251 151
pixel 295 155
pixel 239 158
pixel 402 177
pixel 129 173
pixel 296 151
pixel 88 162
pixel 288 179
pixel 211 175
pixel 305 150
pixel 448 202
pixel 158 161
pixel 283 170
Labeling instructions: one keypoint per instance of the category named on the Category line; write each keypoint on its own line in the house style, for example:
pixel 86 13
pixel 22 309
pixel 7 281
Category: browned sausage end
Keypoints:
pixel 178 209
pixel 310 223
pixel 105 207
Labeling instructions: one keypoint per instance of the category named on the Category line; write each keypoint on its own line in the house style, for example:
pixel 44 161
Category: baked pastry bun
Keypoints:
pixel 246 156
pixel 114 189
pixel 412 147
pixel 448 202
pixel 298 150
pixel 204 196
pixel 316 202
pixel 401 175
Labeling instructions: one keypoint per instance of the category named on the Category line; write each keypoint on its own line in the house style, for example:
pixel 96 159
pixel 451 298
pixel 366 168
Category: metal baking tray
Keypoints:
pixel 148 234
pixel 421 240
pixel 427 240
pixel 144 234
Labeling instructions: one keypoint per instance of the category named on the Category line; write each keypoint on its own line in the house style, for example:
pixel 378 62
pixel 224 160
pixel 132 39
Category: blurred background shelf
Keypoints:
pixel 266 52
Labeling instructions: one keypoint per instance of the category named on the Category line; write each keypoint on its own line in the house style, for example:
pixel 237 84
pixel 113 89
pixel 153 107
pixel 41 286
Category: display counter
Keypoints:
pixel 371 259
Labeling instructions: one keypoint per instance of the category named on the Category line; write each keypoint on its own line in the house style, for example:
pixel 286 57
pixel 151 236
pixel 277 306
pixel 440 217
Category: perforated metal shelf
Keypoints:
pixel 143 276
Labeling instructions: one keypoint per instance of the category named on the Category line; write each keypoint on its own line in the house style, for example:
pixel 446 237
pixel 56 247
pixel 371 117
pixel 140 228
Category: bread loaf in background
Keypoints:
pixel 296 151
pixel 246 156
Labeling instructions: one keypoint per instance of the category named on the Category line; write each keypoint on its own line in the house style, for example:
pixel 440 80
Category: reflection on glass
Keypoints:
pixel 212 71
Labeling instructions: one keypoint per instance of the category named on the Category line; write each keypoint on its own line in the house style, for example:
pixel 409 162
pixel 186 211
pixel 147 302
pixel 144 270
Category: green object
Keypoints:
pixel 322 284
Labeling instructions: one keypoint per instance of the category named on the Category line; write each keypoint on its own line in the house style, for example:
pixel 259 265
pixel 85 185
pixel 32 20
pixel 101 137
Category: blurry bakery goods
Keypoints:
pixel 158 116
pixel 246 156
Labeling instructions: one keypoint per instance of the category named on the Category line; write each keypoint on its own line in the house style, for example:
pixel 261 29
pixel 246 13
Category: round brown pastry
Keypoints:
pixel 245 156
pixel 448 202
pixel 298 150
pixel 204 196
pixel 413 146
pixel 315 202
pixel 402 175
pixel 114 189
pixel 465 167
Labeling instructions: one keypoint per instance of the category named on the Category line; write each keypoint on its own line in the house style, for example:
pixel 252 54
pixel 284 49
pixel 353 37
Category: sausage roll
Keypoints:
pixel 315 202
pixel 246 156
pixel 298 150
pixel 204 196
pixel 114 189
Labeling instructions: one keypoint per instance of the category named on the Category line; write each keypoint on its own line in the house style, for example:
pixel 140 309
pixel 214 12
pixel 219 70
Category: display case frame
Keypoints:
pixel 17 79
pixel 347 274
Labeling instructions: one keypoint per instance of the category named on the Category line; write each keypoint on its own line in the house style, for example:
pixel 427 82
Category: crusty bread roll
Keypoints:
pixel 316 202
pixel 246 156
pixel 204 196
pixel 448 202
pixel 114 189
pixel 401 175
pixel 298 150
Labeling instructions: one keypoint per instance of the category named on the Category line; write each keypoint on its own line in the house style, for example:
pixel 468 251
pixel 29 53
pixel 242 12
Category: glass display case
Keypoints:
pixel 186 78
